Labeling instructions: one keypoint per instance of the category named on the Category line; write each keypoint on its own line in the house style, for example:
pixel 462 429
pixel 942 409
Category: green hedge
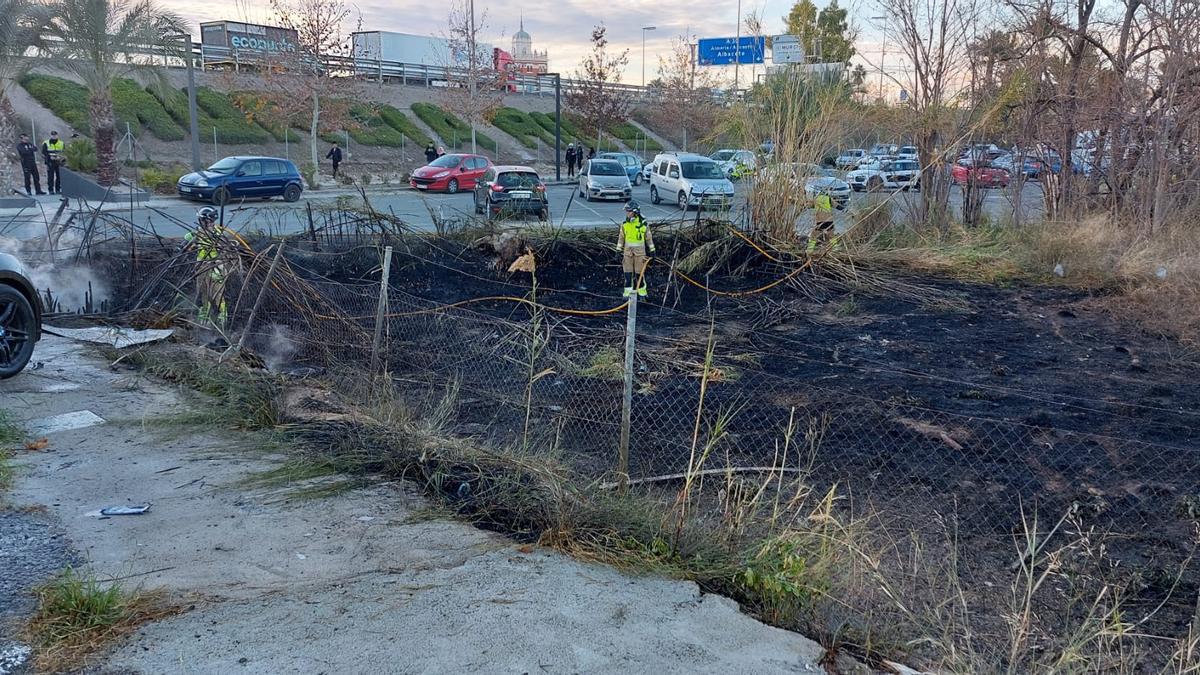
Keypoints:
pixel 400 122
pixel 454 132
pixel 233 127
pixel 629 135
pixel 519 125
pixel 570 134
pixel 69 101
pixel 147 109
pixel 369 128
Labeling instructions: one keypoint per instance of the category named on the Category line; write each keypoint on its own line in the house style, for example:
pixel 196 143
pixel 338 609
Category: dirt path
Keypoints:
pixel 366 581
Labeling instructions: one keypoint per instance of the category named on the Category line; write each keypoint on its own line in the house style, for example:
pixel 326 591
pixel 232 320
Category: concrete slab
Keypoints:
pixel 364 582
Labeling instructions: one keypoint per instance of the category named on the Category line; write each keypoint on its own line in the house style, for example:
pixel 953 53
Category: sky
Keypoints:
pixel 563 27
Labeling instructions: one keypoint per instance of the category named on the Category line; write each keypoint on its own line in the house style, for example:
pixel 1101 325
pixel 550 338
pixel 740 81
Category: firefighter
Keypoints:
pixel 822 233
pixel 52 153
pixel 208 237
pixel 28 153
pixel 635 242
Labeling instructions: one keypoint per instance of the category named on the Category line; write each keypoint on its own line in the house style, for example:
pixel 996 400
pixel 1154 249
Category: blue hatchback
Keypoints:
pixel 243 178
pixel 631 163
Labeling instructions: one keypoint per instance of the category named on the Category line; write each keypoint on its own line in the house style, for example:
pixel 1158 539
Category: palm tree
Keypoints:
pixel 100 41
pixel 18 32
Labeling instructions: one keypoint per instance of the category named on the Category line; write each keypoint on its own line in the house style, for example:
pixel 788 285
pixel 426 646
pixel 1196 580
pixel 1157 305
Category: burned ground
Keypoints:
pixel 934 404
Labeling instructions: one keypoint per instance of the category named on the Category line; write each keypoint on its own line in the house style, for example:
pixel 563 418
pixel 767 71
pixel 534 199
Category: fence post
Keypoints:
pixel 627 394
pixel 381 308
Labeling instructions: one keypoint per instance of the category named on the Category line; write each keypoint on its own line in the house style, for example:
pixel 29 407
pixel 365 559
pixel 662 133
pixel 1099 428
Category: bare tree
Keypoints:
pixel 685 94
pixel 475 89
pixel 306 83
pixel 598 103
pixel 934 35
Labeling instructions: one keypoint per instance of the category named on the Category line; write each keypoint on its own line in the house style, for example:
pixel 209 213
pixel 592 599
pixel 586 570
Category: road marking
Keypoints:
pixel 80 419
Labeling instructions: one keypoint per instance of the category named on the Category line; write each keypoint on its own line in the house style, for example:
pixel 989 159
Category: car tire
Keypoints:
pixel 637 180
pixel 291 193
pixel 452 186
pixel 654 198
pixel 220 197
pixel 16 331
pixel 682 201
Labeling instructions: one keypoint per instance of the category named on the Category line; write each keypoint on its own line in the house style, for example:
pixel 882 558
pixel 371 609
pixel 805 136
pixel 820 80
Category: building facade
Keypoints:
pixel 525 59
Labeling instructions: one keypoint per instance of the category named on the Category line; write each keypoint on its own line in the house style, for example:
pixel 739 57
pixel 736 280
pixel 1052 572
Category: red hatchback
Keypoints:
pixel 983 176
pixel 450 173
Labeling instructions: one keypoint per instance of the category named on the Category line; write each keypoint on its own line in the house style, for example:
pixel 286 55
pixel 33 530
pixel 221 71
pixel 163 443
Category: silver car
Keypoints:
pixel 815 180
pixel 604 179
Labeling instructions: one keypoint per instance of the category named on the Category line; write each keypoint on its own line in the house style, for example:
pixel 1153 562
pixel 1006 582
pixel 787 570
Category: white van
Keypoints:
pixel 689 180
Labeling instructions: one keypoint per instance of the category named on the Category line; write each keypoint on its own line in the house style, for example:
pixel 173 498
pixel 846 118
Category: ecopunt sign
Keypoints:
pixel 248 37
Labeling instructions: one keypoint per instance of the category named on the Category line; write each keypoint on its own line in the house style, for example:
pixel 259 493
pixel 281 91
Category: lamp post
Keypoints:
pixel 644 30
pixel 882 55
pixel 193 124
pixel 557 123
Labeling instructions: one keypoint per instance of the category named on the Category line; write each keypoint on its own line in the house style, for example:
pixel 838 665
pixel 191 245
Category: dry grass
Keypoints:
pixel 78 615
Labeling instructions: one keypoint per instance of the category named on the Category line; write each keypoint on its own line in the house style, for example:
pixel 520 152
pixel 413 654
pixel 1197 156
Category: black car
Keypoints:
pixel 511 190
pixel 243 178
pixel 20 316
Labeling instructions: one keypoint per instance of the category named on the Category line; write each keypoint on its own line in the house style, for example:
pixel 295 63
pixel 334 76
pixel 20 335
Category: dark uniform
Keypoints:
pixel 28 153
pixel 335 156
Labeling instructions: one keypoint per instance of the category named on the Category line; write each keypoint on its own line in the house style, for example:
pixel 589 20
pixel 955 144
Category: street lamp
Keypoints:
pixel 644 29
pixel 882 55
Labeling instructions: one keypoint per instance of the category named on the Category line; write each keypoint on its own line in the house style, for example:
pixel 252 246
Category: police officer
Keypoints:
pixel 634 242
pixel 52 153
pixel 210 282
pixel 430 153
pixel 335 157
pixel 28 154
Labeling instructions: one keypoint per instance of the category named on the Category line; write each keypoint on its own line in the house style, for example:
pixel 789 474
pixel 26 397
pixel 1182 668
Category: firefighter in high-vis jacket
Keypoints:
pixel 822 233
pixel 635 243
pixel 208 238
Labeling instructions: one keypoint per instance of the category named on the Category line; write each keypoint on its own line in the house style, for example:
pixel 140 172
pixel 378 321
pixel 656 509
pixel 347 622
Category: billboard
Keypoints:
pixel 728 51
pixel 786 49
pixel 248 38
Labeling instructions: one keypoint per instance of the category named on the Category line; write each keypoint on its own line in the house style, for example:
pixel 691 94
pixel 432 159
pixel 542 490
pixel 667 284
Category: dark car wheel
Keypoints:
pixel 654 198
pixel 682 201
pixel 544 215
pixel 291 193
pixel 16 331
pixel 637 179
pixel 220 197
pixel 452 186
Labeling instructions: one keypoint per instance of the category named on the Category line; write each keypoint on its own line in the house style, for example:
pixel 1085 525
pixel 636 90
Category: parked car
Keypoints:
pixel 511 190
pixel 849 158
pixel 20 316
pixel 907 152
pixel 690 180
pixel 1031 167
pixel 812 178
pixel 450 173
pixel 895 174
pixel 631 162
pixel 881 149
pixel 861 175
pixel 735 163
pixel 983 175
pixel 243 178
pixel 646 171
pixel 604 179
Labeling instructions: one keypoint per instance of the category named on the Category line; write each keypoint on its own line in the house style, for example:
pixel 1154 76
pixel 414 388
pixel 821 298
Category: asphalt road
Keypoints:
pixel 168 215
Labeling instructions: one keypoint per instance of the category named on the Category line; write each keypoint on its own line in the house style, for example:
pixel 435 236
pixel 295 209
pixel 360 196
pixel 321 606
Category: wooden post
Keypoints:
pixel 262 292
pixel 381 308
pixel 627 395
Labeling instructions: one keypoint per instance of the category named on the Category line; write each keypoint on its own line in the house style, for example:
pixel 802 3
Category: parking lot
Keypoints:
pixel 168 215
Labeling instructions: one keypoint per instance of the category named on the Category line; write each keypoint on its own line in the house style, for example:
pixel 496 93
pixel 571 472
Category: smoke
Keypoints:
pixel 68 282
pixel 280 348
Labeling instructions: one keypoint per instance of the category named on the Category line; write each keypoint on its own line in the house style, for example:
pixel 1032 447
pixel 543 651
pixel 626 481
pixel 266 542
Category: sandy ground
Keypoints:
pixel 366 581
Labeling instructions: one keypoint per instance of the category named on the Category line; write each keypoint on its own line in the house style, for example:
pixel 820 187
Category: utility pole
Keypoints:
pixel 882 55
pixel 557 126
pixel 737 48
pixel 627 394
pixel 472 60
pixel 644 29
pixel 193 124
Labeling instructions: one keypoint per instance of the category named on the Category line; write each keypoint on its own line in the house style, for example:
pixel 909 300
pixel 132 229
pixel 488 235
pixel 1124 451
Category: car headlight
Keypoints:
pixel 203 182
pixel 441 174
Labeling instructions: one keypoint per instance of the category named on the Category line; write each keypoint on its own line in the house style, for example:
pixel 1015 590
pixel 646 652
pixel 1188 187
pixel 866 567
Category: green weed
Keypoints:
pixel 455 133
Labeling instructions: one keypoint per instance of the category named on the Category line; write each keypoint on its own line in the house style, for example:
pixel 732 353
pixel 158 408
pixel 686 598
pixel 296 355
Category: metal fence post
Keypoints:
pixel 381 308
pixel 627 394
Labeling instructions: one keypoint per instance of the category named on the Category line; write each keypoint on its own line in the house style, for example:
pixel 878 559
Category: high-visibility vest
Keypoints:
pixel 823 203
pixel 206 241
pixel 635 231
pixel 55 149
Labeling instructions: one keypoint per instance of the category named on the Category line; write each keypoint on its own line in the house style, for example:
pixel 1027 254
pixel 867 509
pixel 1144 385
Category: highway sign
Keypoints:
pixel 787 49
pixel 728 51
